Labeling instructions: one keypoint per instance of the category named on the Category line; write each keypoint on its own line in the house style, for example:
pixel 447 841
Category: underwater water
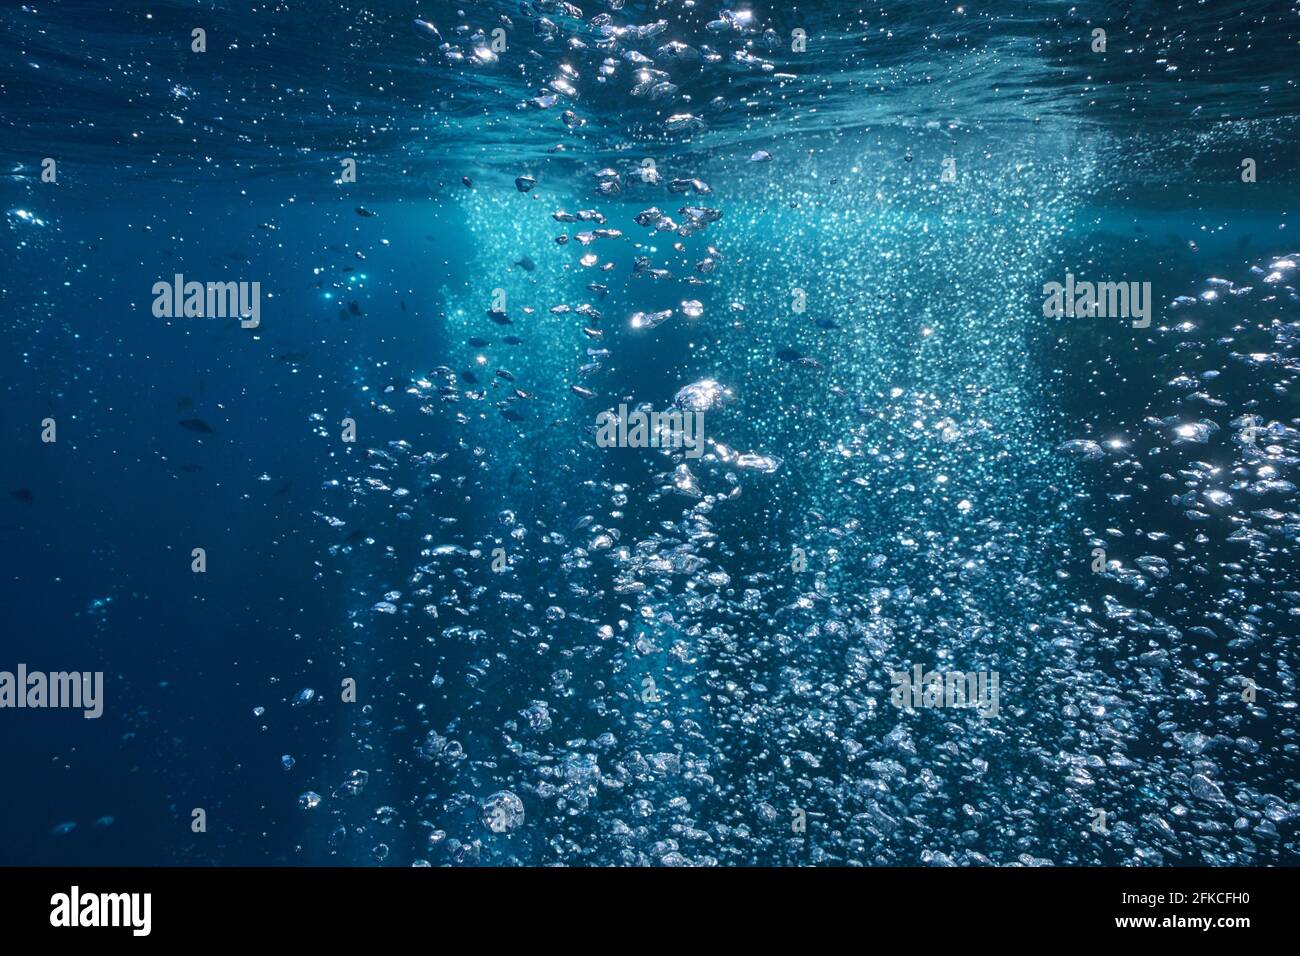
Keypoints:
pixel 434 621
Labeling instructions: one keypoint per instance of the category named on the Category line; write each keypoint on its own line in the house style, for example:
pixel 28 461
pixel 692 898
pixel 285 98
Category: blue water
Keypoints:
pixel 650 681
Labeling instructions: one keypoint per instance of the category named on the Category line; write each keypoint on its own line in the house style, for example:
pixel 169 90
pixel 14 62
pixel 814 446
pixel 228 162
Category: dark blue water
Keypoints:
pixel 649 680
